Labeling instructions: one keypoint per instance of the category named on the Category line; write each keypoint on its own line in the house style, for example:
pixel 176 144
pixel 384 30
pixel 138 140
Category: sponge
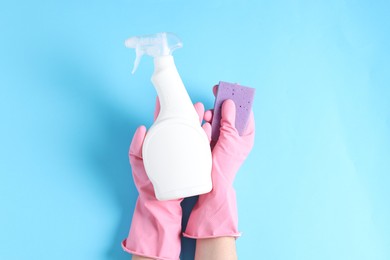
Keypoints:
pixel 243 99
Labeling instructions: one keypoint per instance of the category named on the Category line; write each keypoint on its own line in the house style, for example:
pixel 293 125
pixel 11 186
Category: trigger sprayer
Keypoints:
pixel 176 150
pixel 160 44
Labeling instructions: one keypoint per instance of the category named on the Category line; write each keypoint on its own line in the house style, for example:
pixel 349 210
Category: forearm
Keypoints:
pixel 220 248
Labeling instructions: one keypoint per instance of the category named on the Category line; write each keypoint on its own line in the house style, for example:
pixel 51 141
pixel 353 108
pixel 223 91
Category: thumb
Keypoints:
pixel 137 142
pixel 228 117
pixel 157 109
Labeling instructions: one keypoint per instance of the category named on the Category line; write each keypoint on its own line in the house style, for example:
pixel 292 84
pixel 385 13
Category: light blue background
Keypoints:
pixel 316 185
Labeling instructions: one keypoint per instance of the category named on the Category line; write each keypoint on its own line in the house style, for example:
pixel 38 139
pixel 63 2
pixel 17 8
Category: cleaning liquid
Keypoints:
pixel 176 150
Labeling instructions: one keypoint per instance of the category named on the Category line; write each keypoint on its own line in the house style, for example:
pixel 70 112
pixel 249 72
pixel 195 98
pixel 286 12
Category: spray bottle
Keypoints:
pixel 176 150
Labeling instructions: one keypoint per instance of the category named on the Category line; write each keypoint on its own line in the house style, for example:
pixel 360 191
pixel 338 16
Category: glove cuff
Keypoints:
pixel 155 230
pixel 214 215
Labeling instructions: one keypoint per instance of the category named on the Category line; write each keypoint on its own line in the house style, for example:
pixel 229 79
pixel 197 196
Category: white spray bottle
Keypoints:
pixel 176 150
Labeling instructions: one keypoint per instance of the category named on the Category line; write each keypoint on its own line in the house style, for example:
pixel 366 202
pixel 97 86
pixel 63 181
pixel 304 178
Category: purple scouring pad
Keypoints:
pixel 243 99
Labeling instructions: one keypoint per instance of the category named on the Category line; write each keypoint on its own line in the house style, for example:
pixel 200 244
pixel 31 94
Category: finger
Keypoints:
pixel 208 115
pixel 215 90
pixel 228 119
pixel 136 143
pixel 207 129
pixel 199 107
pixel 157 109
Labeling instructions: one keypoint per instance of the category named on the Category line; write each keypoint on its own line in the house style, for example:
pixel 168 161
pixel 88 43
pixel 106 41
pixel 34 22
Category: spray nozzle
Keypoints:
pixel 155 45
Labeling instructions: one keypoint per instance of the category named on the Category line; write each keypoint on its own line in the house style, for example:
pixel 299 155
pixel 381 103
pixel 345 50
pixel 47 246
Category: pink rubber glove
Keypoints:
pixel 156 225
pixel 215 214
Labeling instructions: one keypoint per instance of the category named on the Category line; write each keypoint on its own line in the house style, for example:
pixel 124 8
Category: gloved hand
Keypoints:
pixel 215 214
pixel 156 225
